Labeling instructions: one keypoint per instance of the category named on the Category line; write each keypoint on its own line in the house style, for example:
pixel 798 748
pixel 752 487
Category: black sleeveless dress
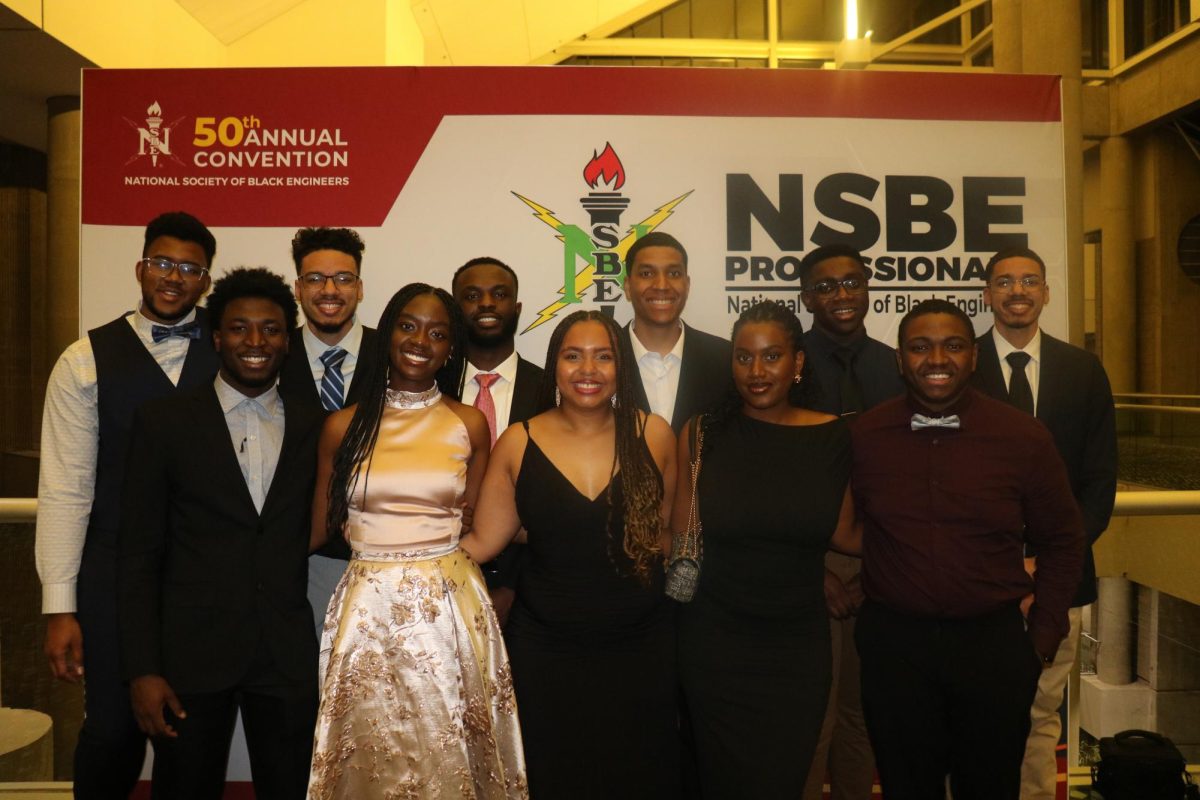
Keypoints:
pixel 754 652
pixel 592 650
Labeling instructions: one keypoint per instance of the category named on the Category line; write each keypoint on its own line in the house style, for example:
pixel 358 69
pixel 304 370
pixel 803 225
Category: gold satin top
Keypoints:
pixel 409 497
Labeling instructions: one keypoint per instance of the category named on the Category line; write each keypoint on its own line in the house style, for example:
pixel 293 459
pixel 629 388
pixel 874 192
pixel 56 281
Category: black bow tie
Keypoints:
pixel 189 330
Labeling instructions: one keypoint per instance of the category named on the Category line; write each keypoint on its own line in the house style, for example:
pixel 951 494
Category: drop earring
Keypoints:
pixel 557 397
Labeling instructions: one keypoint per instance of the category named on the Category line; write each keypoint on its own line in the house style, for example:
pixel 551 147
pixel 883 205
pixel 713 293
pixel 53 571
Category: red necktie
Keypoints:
pixel 484 401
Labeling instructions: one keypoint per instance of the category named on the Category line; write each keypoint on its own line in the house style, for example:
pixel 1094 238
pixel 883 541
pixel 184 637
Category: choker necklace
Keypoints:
pixel 398 398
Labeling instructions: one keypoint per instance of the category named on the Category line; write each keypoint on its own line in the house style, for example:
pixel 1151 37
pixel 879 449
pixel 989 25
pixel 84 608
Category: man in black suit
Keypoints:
pixel 682 371
pixel 1068 390
pixel 99 381
pixel 852 373
pixel 324 355
pixel 212 558
pixel 496 380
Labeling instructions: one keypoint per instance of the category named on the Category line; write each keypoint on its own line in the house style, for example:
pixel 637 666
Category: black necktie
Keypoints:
pixel 851 392
pixel 1020 394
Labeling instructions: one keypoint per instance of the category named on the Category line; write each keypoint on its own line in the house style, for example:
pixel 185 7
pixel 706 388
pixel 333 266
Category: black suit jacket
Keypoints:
pixel 705 376
pixel 1075 403
pixel 205 582
pixel 525 391
pixel 296 377
pixel 504 568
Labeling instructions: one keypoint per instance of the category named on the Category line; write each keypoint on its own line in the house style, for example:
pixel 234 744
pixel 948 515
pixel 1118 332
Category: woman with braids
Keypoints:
pixel 416 692
pixel 590 634
pixel 754 652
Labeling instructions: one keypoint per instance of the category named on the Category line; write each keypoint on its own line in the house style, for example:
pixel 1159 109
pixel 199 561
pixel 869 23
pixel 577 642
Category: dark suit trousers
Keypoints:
pixel 947 697
pixel 279 716
pixel 111 748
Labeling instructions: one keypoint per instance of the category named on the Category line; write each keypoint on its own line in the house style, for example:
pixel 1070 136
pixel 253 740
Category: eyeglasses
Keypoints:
pixel 165 266
pixel 829 287
pixel 1006 284
pixel 341 279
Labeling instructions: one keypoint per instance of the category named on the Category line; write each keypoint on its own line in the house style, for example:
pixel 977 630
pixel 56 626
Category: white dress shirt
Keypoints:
pixel 315 348
pixel 502 389
pixel 256 431
pixel 660 374
pixel 1032 369
pixel 70 443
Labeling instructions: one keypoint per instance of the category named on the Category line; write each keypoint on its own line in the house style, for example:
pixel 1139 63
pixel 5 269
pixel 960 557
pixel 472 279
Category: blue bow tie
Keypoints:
pixel 189 330
pixel 920 421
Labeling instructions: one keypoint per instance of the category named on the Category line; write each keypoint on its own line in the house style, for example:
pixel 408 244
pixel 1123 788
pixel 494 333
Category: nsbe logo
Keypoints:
pixel 154 139
pixel 601 248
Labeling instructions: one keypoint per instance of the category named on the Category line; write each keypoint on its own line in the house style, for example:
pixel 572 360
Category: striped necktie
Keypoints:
pixel 333 388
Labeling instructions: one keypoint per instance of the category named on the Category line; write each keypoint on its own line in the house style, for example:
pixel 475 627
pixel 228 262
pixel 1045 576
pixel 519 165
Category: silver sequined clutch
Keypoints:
pixel 687 548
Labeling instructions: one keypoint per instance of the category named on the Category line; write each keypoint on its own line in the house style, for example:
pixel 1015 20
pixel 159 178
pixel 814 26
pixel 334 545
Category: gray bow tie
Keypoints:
pixel 920 421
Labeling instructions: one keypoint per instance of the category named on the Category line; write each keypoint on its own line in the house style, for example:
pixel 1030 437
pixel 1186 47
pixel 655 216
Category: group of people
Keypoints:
pixel 449 562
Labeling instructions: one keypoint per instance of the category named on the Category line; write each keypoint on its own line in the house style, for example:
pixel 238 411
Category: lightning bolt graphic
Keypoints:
pixel 586 276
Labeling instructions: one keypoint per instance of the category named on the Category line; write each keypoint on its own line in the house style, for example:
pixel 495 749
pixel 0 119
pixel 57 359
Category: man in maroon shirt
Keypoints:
pixel 950 485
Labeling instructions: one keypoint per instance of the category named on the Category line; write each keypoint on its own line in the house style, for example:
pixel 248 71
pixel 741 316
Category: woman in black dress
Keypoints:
pixel 590 637
pixel 754 642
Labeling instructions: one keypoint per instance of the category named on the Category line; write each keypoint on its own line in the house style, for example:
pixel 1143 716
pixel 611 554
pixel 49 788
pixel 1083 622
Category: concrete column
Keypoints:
pixel 1044 28
pixel 1118 270
pixel 1114 608
pixel 1027 37
pixel 62 201
pixel 1006 36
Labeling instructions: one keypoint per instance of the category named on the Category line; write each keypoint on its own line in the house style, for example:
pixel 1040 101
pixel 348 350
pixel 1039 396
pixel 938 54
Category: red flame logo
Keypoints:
pixel 605 166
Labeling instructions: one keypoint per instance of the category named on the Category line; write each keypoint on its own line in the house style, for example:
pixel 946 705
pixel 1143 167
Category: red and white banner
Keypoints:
pixel 555 170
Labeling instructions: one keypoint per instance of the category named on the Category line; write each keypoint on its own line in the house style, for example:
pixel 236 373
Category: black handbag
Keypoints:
pixel 1141 765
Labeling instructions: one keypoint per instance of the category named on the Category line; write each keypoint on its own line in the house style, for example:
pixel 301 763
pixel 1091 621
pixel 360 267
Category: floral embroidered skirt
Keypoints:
pixel 416 691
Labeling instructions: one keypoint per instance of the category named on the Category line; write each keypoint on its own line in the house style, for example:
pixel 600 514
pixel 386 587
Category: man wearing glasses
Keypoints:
pixel 1066 388
pixel 99 381
pixel 324 354
pixel 852 372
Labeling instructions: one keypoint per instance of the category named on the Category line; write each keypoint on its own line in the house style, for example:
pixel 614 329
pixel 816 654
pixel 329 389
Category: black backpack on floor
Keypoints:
pixel 1140 765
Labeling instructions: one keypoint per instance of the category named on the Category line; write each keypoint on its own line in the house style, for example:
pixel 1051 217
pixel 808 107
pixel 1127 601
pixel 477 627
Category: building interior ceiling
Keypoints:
pixel 230 20
pixel 34 66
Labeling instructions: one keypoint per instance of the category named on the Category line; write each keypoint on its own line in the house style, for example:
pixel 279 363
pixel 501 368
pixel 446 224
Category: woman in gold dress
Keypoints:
pixel 416 692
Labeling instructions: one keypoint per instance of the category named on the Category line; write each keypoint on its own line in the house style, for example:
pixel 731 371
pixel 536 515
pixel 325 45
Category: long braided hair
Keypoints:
pixel 359 442
pixel 799 395
pixel 641 483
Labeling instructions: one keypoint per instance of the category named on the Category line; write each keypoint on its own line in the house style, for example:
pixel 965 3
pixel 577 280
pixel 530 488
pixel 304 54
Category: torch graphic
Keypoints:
pixel 604 208
pixel 151 136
